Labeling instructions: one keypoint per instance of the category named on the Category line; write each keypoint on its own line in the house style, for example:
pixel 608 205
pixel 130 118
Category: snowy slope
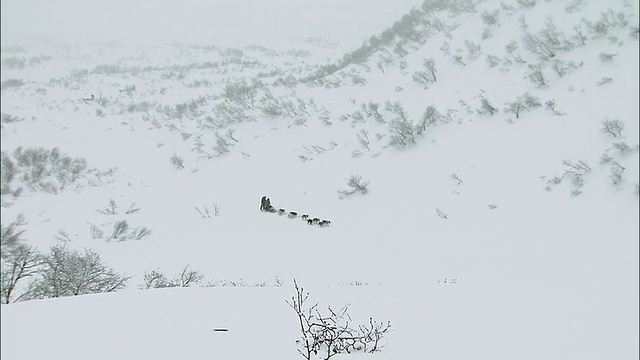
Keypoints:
pixel 503 264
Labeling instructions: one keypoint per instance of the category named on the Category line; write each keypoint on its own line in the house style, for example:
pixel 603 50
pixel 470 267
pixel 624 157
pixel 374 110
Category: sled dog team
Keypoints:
pixel 265 205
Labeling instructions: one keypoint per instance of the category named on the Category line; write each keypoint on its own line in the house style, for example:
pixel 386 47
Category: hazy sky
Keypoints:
pixel 192 20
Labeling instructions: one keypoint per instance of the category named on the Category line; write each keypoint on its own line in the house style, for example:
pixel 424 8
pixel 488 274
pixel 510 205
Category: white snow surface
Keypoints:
pixel 516 270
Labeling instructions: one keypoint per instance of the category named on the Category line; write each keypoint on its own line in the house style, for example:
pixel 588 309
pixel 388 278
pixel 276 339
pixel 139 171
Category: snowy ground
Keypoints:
pixel 503 264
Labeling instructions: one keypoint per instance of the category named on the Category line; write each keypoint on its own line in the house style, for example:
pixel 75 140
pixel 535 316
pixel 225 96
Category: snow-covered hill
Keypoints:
pixel 497 142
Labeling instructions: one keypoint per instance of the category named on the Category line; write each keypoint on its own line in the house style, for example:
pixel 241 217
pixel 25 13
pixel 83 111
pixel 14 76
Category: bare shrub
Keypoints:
pixel 430 117
pixel 11 83
pixel 42 170
pixel 19 260
pixel 526 3
pixel 622 148
pixel 616 172
pixel 485 107
pixel 140 232
pixel 370 110
pixel 491 18
pixel 547 42
pixel 289 106
pixel 356 185
pixel 133 208
pixel 473 50
pixel 110 209
pixel 119 230
pixel 242 93
pixel 67 272
pixel 493 60
pixel 562 68
pixel 575 172
pixel 331 333
pixel 363 139
pixel 551 106
pixel 187 277
pixel 11 235
pixel 95 231
pixel 604 81
pixel 442 214
pixel 423 78
pixel 177 162
pixel 155 279
pixel 606 57
pixel 537 76
pixel 428 75
pixel 523 103
pixel 143 106
pixel 13 62
pixel 8 119
pixel 608 19
pixel 188 110
pixel 223 143
pixel 228 112
pixel 207 212
pixel 401 129
pixel 612 127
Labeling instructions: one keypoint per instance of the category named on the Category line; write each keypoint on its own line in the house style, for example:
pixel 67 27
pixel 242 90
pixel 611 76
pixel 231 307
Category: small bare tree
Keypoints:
pixel 305 315
pixel 19 260
pixel 10 235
